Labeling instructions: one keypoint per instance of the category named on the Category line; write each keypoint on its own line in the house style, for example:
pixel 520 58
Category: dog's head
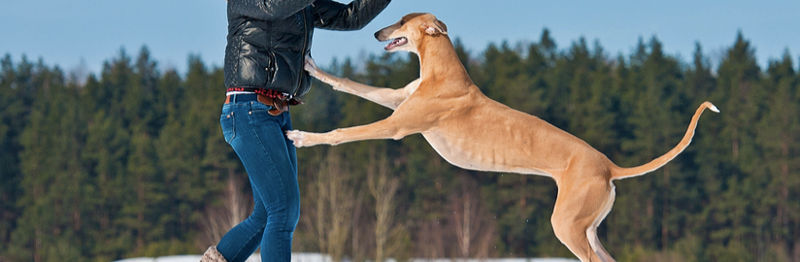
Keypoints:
pixel 408 33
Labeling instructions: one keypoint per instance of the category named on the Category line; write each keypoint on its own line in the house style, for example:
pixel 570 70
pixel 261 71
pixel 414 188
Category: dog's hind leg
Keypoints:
pixel 580 206
pixel 591 232
pixel 597 247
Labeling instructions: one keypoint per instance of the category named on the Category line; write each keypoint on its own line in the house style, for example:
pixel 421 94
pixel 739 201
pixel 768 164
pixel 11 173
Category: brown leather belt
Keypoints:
pixel 278 106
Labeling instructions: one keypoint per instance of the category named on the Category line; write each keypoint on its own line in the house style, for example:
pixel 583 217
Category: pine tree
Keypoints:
pixel 104 154
pixel 778 142
pixel 181 145
pixel 53 186
pixel 728 154
pixel 12 119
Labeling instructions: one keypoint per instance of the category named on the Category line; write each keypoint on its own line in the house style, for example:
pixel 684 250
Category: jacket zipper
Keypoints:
pixel 303 52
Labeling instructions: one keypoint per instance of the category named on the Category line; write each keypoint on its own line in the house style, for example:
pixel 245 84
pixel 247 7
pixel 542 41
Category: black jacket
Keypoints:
pixel 268 39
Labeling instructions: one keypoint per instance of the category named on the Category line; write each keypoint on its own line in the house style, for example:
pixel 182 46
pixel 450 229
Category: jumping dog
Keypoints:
pixel 472 131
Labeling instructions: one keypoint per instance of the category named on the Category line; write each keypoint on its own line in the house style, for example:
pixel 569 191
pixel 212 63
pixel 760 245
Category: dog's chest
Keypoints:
pixel 465 153
pixel 458 151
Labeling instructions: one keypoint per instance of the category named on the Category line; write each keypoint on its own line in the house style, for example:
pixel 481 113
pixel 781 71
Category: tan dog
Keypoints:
pixel 474 132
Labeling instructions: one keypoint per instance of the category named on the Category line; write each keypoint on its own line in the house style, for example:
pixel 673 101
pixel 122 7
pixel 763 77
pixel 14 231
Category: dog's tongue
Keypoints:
pixel 395 43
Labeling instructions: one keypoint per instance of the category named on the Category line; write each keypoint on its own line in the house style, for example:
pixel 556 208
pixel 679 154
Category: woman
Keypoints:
pixel 267 44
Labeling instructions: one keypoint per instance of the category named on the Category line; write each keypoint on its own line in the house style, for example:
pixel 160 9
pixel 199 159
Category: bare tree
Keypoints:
pixel 332 215
pixel 430 239
pixel 218 220
pixel 796 255
pixel 474 230
pixel 359 248
pixel 383 189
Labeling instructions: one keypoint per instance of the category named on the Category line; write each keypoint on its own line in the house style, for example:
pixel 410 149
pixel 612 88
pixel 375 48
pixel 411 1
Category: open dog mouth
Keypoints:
pixel 395 43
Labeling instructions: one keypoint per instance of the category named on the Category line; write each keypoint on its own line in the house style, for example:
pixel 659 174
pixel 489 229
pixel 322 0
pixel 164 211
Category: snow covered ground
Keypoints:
pixel 296 257
pixel 313 257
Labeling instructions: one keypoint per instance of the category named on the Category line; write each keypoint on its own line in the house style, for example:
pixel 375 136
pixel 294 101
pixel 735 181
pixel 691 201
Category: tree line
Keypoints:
pixel 131 161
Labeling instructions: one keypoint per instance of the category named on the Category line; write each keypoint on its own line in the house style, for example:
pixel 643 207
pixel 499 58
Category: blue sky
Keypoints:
pixel 74 32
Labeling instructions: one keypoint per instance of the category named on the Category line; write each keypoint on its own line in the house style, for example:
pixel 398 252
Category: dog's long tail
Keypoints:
pixel 620 173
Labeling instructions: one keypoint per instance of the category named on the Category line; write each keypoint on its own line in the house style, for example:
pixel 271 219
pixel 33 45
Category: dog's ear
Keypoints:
pixel 435 28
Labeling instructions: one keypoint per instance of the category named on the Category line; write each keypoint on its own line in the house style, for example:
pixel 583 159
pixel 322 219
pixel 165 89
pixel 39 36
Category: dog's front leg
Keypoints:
pixel 387 97
pixel 383 129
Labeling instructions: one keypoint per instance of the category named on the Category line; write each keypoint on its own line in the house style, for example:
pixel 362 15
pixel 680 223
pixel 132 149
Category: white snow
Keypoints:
pixel 314 257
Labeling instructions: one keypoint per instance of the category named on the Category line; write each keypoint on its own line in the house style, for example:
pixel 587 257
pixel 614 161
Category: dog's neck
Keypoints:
pixel 438 59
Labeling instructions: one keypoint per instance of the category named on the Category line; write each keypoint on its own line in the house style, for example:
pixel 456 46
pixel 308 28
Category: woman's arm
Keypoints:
pixel 266 9
pixel 332 15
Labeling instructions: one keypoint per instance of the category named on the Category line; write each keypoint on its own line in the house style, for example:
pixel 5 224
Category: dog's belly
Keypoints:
pixel 461 152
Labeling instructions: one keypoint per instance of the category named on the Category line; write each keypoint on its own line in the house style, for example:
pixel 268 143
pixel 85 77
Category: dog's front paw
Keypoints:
pixel 311 66
pixel 299 138
pixel 312 69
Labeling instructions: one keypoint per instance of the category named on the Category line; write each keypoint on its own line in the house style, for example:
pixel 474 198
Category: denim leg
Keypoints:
pixel 243 239
pixel 240 242
pixel 287 125
pixel 271 164
pixel 276 182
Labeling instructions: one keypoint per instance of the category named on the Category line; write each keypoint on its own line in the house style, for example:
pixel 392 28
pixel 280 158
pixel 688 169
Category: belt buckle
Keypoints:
pixel 278 106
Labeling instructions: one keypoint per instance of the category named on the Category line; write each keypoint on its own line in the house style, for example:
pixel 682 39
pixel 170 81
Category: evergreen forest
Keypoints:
pixel 130 161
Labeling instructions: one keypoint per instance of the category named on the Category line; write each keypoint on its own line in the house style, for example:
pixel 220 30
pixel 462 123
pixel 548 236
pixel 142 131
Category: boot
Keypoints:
pixel 212 255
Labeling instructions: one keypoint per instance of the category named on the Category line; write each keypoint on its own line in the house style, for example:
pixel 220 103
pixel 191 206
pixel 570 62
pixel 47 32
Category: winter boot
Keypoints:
pixel 212 255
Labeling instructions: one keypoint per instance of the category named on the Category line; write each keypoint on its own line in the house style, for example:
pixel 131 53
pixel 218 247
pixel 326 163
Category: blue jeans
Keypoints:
pixel 270 160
